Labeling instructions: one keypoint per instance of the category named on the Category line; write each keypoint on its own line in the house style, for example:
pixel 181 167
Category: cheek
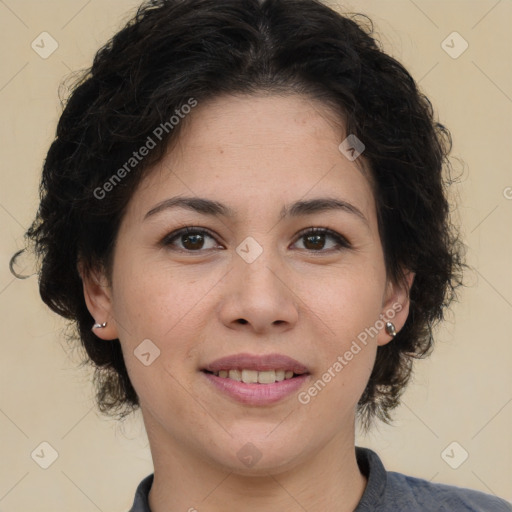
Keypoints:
pixel 346 301
pixel 340 379
pixel 157 303
pixel 155 300
pixel 348 307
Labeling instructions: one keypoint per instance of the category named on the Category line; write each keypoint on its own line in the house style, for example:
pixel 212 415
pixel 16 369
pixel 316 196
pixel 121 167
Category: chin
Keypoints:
pixel 257 454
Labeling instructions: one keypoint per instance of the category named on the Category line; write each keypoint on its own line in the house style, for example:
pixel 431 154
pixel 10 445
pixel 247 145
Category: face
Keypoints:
pixel 285 263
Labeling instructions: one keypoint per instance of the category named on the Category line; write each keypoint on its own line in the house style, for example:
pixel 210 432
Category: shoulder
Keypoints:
pixel 441 497
pixel 140 502
pixel 389 491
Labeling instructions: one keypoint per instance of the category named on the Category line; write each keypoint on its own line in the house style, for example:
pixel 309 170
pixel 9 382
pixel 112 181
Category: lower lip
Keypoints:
pixel 257 394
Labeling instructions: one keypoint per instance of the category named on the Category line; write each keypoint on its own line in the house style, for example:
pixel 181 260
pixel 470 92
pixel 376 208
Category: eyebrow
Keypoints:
pixel 214 208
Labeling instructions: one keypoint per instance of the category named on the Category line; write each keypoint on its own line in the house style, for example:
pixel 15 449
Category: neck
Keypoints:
pixel 327 481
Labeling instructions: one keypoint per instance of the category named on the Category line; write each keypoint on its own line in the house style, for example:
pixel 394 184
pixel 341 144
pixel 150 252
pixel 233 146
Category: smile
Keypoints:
pixel 256 377
pixel 260 380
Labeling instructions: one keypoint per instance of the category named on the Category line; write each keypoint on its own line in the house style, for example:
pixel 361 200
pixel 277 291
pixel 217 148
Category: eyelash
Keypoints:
pixel 340 240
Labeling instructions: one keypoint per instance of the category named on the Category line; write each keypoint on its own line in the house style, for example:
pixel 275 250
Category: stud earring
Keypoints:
pixel 390 329
pixel 99 326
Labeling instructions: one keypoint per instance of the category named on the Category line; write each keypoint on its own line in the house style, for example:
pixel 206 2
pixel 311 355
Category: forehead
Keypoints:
pixel 255 151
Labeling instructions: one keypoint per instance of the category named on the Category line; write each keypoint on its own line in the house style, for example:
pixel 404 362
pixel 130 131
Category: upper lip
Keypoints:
pixel 259 363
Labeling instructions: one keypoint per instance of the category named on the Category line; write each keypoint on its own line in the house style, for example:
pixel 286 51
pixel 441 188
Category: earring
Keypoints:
pixel 99 326
pixel 390 329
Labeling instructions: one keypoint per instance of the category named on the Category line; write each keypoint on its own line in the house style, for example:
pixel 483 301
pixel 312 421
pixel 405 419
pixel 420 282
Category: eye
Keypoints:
pixel 192 239
pixel 315 240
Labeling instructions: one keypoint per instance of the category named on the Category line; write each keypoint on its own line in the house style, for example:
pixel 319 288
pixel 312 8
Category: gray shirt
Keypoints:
pixel 388 491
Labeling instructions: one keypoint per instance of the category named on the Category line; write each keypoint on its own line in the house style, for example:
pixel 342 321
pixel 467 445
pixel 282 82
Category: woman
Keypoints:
pixel 244 212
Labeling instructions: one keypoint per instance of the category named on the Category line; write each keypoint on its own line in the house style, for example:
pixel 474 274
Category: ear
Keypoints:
pixel 395 306
pixel 98 298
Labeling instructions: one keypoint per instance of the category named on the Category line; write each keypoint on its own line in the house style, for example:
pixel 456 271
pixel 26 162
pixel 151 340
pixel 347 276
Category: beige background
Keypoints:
pixel 463 393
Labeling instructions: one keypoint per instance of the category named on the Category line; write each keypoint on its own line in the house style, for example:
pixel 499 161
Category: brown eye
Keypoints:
pixel 315 240
pixel 196 240
pixel 191 240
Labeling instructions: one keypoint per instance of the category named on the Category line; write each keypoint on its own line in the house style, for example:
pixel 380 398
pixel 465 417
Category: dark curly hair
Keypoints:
pixel 175 50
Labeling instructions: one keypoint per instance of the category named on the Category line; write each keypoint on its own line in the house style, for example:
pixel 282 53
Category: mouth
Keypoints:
pixel 252 369
pixel 255 377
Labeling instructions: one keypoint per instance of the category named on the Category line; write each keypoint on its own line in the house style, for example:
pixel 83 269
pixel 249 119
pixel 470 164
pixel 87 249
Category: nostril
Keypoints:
pixel 242 320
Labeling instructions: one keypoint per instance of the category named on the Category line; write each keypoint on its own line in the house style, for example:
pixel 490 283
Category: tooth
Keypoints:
pixel 235 375
pixel 279 375
pixel 254 376
pixel 249 376
pixel 268 377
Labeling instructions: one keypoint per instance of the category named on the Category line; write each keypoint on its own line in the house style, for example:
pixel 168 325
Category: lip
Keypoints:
pixel 259 363
pixel 257 394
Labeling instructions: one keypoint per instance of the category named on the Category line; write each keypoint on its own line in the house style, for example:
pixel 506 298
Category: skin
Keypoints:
pixel 300 297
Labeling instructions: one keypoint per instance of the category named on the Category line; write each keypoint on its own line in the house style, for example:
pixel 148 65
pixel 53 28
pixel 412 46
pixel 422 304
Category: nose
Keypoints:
pixel 258 296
